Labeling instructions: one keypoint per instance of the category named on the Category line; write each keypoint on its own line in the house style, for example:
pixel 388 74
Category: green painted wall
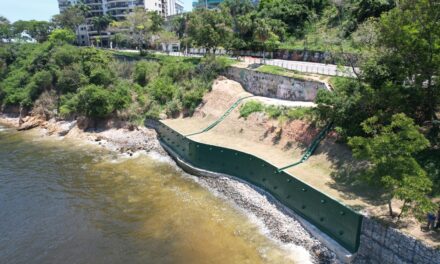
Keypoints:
pixel 330 216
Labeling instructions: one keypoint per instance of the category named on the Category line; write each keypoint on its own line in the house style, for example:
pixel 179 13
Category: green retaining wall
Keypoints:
pixel 330 216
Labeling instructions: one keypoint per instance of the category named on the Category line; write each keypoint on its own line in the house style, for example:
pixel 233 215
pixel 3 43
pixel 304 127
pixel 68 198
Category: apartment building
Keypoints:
pixel 118 9
pixel 209 4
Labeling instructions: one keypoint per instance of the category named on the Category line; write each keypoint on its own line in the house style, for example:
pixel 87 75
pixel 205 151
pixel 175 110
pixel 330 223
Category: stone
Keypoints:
pixel 386 256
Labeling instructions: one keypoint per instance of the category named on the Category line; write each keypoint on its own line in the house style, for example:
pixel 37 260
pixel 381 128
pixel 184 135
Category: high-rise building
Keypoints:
pixel 209 4
pixel 118 9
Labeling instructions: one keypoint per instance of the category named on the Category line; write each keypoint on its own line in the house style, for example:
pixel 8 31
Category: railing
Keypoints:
pixel 330 216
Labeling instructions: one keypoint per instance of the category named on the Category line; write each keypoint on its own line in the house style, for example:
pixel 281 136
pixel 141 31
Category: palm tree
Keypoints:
pixel 101 23
pixel 262 33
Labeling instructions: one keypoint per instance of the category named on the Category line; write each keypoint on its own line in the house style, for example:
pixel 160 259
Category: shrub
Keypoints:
pixel 121 95
pixel 178 71
pixel 123 69
pixel 60 36
pixel 65 55
pixel 69 103
pixel 299 113
pixel 70 79
pixel 39 82
pixel 154 111
pixel 91 57
pixel 162 89
pixel 273 111
pixel 210 67
pixel 101 76
pixel 251 107
pixel 94 101
pixel 173 107
pixel 145 72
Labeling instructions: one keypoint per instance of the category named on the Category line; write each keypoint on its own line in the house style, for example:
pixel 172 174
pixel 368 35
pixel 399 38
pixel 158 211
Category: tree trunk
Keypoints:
pixel 402 210
pixel 390 208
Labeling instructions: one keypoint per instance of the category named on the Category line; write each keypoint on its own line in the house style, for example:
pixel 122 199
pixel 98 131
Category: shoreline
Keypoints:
pixel 278 225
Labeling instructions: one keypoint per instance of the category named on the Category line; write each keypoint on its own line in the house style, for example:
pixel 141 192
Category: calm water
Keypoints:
pixel 63 202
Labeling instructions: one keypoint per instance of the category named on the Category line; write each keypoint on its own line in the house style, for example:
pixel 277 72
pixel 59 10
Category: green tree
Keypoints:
pixel 101 23
pixel 38 30
pixel 62 36
pixel 178 25
pixel 347 106
pixel 5 29
pixel 138 28
pixel 407 58
pixel 72 17
pixel 293 13
pixel 209 29
pixel 390 150
pixel 157 21
pixel 145 72
pixel 166 37
pixel 94 101
pixel 265 36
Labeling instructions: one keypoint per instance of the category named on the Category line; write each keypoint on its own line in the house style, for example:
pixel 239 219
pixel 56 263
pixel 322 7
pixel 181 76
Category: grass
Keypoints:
pixel 168 58
pixel 281 113
pixel 251 107
pixel 276 70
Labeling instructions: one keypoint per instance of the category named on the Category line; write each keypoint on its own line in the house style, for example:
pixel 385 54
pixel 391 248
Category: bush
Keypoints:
pixel 41 81
pixel 70 79
pixel 154 111
pixel 299 113
pixel 91 57
pixel 121 95
pixel 101 76
pixel 178 71
pixel 210 67
pixel 273 111
pixel 68 105
pixel 94 101
pixel 173 107
pixel 65 55
pixel 251 107
pixel 162 89
pixel 192 93
pixel 60 36
pixel 145 72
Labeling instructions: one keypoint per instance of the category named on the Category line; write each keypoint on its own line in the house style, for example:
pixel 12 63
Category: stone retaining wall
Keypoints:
pixel 275 86
pixel 385 245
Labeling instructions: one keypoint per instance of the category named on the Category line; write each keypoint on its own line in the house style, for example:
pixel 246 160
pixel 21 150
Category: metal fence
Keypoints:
pixel 330 216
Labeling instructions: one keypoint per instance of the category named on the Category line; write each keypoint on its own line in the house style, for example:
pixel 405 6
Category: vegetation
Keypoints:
pixel 281 113
pixel 88 82
pixel 390 150
pixel 138 28
pixel 281 71
pixel 388 114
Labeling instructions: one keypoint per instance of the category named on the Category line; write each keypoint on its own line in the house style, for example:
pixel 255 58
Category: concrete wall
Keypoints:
pixel 275 86
pixel 385 245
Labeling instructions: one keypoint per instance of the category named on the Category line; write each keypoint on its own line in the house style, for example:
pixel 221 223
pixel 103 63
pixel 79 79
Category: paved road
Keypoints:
pixel 300 66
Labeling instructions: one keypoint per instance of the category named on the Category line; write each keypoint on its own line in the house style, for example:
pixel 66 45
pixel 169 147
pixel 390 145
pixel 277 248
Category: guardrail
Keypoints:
pixel 330 216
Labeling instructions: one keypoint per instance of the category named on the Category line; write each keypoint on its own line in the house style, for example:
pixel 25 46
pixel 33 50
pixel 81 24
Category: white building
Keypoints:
pixel 118 9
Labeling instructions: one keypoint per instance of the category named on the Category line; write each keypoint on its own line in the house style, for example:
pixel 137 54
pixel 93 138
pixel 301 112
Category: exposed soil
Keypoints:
pixel 331 169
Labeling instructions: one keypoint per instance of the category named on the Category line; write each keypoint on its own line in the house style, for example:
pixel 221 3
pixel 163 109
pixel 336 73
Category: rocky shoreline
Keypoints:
pixel 125 139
